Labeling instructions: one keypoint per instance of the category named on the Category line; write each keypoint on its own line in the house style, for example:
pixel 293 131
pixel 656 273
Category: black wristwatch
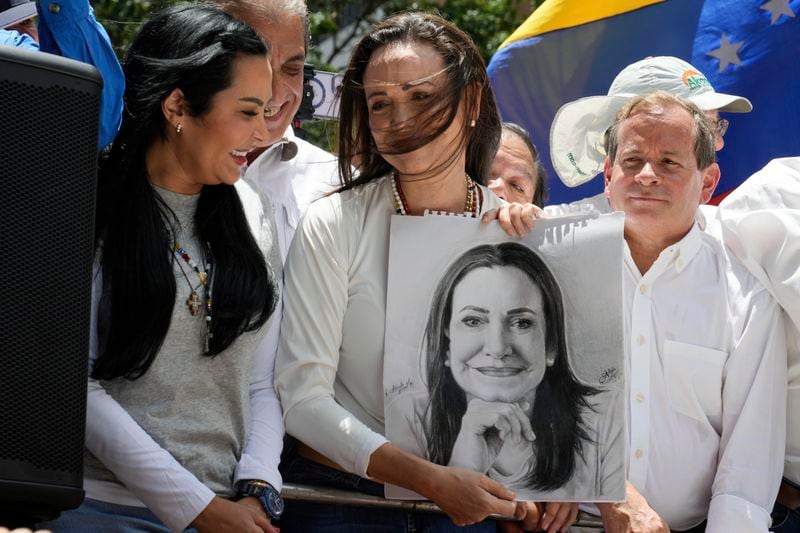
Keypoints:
pixel 269 497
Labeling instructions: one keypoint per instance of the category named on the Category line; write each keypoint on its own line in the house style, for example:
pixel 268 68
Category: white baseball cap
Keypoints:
pixel 577 134
pixel 14 11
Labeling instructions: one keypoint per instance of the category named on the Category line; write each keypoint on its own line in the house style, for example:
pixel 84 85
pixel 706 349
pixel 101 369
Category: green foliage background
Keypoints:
pixel 489 22
pixel 342 22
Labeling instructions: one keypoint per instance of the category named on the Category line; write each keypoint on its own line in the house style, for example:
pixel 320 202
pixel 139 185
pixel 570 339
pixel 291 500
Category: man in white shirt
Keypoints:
pixel 761 225
pixel 706 347
pixel 291 173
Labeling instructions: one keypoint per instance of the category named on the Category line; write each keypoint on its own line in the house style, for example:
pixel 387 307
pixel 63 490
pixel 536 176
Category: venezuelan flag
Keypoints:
pixel 568 49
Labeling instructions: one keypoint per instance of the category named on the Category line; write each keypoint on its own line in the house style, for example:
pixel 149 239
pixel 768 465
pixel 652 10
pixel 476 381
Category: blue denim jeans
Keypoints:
pixel 96 516
pixel 785 520
pixel 303 517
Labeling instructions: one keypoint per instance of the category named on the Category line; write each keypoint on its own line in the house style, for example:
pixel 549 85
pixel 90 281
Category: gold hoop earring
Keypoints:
pixel 178 128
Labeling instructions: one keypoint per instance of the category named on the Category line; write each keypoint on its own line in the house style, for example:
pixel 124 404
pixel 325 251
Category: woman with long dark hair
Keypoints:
pixel 419 122
pixel 502 396
pixel 180 402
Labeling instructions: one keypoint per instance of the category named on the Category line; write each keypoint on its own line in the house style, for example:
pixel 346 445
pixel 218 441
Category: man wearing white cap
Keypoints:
pixel 705 350
pixel 761 226
pixel 765 209
pixel 578 130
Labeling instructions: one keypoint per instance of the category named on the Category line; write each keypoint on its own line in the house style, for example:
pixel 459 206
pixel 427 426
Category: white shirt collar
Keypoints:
pixel 270 171
pixel 677 255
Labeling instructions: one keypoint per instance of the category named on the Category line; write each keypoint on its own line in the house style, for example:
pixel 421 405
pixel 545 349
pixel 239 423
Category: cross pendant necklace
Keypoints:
pixel 194 303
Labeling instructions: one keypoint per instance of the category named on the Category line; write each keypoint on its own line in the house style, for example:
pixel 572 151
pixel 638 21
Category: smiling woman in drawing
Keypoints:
pixel 503 399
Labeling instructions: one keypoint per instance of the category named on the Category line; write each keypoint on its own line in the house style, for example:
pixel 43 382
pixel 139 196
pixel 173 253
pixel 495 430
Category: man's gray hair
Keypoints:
pixel 275 11
pixel 704 132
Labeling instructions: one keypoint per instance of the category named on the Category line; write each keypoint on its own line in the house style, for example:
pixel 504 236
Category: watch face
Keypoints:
pixel 275 503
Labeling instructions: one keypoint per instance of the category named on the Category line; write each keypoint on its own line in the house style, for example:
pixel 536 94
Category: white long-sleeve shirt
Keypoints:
pixel 290 175
pixel 145 473
pixel 761 226
pixel 329 370
pixel 706 375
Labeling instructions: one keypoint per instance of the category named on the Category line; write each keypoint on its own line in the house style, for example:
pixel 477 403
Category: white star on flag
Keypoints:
pixel 778 8
pixel 727 53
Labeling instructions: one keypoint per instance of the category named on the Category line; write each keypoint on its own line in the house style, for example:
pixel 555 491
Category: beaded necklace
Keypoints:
pixel 193 302
pixel 471 204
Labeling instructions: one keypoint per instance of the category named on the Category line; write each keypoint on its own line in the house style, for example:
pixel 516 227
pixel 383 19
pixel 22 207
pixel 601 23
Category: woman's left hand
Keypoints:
pixel 255 504
pixel 515 219
pixel 551 517
pixel 224 515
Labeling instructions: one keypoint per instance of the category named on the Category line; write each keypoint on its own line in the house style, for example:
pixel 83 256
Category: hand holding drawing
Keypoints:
pixel 469 497
pixel 515 219
pixel 466 496
pixel 493 434
pixel 551 517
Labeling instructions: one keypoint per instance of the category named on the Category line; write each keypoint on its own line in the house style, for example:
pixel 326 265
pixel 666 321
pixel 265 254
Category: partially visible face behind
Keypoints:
pixel 27 27
pixel 403 82
pixel 212 148
pixel 513 171
pixel 655 179
pixel 287 38
pixel 497 335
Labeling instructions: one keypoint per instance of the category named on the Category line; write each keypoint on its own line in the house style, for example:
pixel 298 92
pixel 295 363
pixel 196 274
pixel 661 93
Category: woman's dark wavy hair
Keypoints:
pixel 192 48
pixel 467 81
pixel 560 398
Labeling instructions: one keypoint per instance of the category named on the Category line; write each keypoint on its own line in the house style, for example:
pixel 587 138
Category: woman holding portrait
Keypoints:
pixel 419 120
pixel 180 399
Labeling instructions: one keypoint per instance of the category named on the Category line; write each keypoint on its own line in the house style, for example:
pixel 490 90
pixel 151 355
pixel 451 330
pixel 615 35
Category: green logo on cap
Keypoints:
pixel 571 159
pixel 694 80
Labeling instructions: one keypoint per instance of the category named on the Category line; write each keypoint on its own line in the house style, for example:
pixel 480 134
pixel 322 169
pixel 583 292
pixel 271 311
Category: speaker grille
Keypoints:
pixel 48 141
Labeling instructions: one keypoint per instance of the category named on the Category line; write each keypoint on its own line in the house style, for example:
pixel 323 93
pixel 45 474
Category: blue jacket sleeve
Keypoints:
pixel 68 28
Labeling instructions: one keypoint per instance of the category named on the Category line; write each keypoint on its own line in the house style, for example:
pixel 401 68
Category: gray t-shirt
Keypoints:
pixel 194 406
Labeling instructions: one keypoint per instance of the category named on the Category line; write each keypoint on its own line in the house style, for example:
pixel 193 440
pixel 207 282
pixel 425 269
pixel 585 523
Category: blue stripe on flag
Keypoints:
pixel 769 77
pixel 533 77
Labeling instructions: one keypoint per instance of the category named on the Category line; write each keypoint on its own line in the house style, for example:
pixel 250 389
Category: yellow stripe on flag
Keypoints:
pixel 559 14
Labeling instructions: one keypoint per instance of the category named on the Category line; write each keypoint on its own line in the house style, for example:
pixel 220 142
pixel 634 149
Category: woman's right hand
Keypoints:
pixel 466 496
pixel 487 428
pixel 222 515
pixel 469 497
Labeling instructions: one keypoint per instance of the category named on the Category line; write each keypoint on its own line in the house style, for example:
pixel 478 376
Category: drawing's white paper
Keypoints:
pixel 584 252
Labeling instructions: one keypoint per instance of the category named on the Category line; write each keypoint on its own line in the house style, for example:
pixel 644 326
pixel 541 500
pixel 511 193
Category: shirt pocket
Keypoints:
pixel 694 380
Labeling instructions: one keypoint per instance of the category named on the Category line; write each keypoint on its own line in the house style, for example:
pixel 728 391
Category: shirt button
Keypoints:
pixel 640 339
pixel 638 454
pixel 640 397
pixel 643 289
pixel 54 8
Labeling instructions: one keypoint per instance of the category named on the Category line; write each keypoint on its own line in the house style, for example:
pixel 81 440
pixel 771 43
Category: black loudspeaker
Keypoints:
pixel 49 111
